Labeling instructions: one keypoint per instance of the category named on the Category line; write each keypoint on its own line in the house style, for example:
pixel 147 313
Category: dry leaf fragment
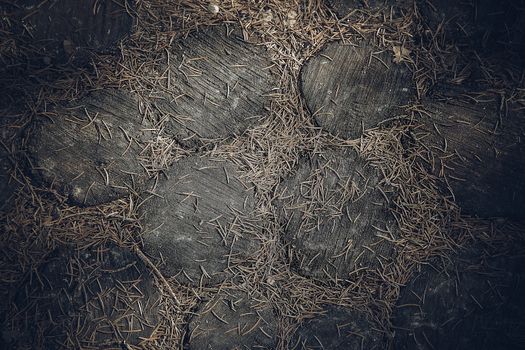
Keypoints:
pixel 401 54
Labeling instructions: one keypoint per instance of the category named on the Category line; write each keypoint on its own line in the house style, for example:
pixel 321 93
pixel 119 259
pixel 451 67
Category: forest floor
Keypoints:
pixel 80 272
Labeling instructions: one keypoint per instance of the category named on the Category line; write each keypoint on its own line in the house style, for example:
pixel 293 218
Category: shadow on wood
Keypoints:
pixel 89 149
pixel 338 328
pixel 475 302
pixel 59 29
pixel 8 185
pixel 100 298
pixel 480 153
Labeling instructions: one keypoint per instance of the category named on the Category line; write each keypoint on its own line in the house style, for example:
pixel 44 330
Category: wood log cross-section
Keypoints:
pixel 89 149
pixel 233 320
pixel 352 88
pixel 59 29
pixel 479 153
pixel 195 220
pixel 476 149
pixel 334 215
pixel 218 86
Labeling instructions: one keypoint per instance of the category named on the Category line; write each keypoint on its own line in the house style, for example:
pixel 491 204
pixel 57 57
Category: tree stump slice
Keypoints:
pixel 332 211
pixel 195 222
pixel 349 88
pixel 483 163
pixel 90 149
pixel 233 320
pixel 220 86
pixel 338 328
pixel 90 299
pixel 476 302
pixel 60 28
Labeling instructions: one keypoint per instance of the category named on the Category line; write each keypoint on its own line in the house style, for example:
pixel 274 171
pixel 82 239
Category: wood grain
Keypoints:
pixel 474 302
pixel 89 151
pixel 60 28
pixel 480 153
pixel 348 89
pixel 194 221
pixel 233 320
pixel 220 86
pixel 332 212
pixel 338 328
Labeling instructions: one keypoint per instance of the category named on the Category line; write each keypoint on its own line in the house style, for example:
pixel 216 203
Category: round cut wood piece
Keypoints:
pixel 475 302
pixel 332 212
pixel 219 86
pixel 338 328
pixel 233 321
pixel 348 88
pixel 93 299
pixel 195 222
pixel 90 149
pixel 480 153
pixel 60 28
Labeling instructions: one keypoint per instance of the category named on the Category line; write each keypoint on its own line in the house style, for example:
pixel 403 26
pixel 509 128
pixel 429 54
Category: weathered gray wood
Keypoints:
pixel 219 86
pixel 349 88
pixel 233 320
pixel 99 298
pixel 338 328
pixel 484 162
pixel 476 302
pixel 90 149
pixel 331 209
pixel 61 28
pixel 344 7
pixel 193 223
